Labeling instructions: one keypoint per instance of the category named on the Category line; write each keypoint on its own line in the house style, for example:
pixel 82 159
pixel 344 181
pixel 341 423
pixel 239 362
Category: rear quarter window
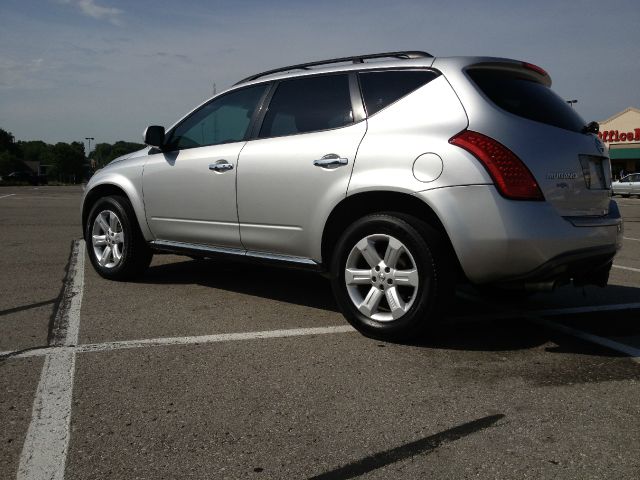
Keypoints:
pixel 526 98
pixel 382 88
pixel 308 105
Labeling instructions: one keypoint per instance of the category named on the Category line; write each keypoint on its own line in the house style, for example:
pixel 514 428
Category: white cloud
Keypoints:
pixel 93 10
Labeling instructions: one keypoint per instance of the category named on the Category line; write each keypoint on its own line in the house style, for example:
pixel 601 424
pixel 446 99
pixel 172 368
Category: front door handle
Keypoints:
pixel 331 160
pixel 220 166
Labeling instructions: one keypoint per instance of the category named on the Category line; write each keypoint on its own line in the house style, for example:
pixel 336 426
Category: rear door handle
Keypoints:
pixel 330 161
pixel 220 166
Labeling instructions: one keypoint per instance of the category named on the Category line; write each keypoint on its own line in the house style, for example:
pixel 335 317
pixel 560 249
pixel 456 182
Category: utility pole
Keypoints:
pixel 215 90
pixel 572 102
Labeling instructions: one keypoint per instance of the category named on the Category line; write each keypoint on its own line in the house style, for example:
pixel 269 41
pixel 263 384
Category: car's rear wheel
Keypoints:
pixel 391 275
pixel 115 244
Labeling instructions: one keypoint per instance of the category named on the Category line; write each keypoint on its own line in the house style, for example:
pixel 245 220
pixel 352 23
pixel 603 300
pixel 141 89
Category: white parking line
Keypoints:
pixel 630 238
pixel 631 269
pixel 632 352
pixel 222 337
pixel 194 340
pixel 44 453
pixel 5 196
pixel 546 312
pixel 297 332
pixel 536 316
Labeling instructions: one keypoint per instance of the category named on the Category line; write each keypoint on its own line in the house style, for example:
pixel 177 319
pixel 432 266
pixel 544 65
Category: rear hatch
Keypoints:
pixel 572 167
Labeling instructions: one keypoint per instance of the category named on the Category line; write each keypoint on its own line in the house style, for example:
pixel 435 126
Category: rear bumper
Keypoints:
pixel 500 241
pixel 584 267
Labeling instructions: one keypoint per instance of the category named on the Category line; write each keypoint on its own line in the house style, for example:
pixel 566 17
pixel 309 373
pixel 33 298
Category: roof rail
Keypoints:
pixel 356 59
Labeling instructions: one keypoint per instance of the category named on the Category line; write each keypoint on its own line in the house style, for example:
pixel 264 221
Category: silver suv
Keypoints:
pixel 395 174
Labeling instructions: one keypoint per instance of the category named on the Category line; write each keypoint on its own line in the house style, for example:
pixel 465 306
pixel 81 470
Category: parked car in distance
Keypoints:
pixel 25 176
pixel 397 175
pixel 628 185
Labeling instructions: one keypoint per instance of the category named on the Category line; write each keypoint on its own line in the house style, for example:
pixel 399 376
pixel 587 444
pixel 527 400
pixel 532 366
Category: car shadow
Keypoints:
pixel 287 285
pixel 470 326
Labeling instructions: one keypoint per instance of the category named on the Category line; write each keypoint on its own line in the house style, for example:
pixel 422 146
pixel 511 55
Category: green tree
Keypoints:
pixel 10 158
pixel 67 162
pixel 35 150
pixel 105 152
pixel 10 163
pixel 7 142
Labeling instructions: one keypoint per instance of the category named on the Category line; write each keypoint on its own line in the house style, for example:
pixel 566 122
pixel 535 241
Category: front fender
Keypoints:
pixel 127 177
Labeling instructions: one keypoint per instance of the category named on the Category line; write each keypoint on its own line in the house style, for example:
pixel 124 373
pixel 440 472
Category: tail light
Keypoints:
pixel 535 68
pixel 511 177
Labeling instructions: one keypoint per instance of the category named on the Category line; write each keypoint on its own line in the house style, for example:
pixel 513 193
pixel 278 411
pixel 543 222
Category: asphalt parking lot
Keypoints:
pixel 219 370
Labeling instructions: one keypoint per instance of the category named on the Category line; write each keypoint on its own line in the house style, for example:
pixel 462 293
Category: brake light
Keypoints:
pixel 535 68
pixel 511 177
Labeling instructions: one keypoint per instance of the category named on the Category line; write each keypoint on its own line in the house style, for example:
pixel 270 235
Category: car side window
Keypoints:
pixel 382 88
pixel 307 105
pixel 223 120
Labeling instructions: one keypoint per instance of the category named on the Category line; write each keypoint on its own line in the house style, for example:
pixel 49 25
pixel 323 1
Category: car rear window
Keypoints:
pixel 526 98
pixel 382 88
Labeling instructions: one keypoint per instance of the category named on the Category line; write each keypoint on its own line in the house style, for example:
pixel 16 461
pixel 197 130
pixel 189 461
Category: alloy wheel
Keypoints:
pixel 107 237
pixel 381 277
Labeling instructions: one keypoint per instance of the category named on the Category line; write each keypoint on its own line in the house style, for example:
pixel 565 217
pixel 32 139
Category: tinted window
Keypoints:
pixel 527 98
pixel 224 120
pixel 307 105
pixel 380 89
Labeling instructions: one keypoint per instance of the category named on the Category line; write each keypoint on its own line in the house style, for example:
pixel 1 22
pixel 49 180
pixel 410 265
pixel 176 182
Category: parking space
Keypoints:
pixel 207 369
pixel 38 226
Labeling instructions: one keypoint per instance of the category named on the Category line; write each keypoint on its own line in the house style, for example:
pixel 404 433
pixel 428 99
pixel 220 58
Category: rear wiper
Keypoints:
pixel 592 127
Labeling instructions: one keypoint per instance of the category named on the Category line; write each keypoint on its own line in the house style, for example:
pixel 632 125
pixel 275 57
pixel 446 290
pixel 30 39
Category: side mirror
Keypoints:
pixel 592 127
pixel 154 136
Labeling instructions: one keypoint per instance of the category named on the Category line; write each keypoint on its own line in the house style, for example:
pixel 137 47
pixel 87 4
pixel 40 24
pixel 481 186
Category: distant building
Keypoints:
pixel 621 133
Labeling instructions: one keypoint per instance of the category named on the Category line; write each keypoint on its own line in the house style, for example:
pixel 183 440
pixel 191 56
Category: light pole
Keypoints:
pixel 572 102
pixel 88 139
pixel 91 138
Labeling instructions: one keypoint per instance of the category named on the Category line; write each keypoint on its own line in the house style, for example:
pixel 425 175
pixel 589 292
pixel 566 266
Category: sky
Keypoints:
pixel 71 69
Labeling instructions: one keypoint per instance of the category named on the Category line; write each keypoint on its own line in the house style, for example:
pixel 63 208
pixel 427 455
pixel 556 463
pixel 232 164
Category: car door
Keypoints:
pixel 298 167
pixel 190 188
pixel 634 185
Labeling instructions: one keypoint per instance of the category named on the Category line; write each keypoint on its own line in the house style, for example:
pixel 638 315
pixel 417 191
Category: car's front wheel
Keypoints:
pixel 115 244
pixel 391 274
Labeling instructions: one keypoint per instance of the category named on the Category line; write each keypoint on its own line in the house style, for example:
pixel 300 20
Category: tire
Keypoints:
pixel 392 275
pixel 115 244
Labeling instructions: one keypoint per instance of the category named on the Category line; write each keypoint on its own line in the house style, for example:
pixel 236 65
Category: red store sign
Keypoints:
pixel 616 136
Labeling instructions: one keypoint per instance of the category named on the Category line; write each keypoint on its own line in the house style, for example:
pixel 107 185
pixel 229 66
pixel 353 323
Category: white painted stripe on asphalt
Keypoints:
pixel 296 332
pixel 194 340
pixel 5 196
pixel 632 352
pixel 222 337
pixel 536 316
pixel 77 288
pixel 630 238
pixel 546 312
pixel 44 453
pixel 631 269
